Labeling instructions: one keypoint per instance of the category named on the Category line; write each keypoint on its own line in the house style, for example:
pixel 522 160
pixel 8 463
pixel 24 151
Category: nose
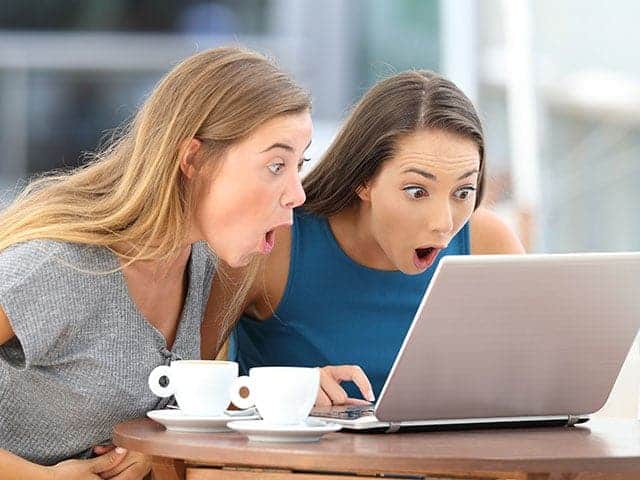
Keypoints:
pixel 441 219
pixel 293 195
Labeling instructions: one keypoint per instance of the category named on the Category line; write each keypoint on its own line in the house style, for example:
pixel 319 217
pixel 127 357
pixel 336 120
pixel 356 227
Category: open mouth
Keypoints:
pixel 269 239
pixel 268 242
pixel 424 257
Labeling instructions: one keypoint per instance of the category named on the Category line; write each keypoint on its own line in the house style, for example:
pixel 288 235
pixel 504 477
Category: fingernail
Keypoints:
pixel 371 397
pixel 120 450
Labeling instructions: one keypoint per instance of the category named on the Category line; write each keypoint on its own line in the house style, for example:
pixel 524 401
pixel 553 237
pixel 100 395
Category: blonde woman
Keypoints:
pixel 399 188
pixel 105 271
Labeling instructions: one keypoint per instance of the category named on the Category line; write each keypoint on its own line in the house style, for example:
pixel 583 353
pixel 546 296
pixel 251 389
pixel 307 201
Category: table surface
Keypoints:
pixel 600 445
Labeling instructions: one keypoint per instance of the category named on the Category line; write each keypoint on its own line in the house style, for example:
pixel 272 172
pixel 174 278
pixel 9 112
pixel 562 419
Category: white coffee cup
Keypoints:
pixel 201 387
pixel 282 395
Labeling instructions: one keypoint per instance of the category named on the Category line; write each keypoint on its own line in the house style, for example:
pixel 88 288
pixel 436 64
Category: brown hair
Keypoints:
pixel 396 106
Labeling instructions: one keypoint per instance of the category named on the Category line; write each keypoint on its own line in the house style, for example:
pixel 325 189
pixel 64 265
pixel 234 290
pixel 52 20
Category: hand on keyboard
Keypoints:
pixel 331 393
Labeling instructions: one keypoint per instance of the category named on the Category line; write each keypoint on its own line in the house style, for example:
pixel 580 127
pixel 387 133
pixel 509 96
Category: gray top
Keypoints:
pixel 83 351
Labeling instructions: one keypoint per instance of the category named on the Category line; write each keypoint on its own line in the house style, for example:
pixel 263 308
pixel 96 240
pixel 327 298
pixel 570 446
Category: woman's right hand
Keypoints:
pixel 87 469
pixel 331 393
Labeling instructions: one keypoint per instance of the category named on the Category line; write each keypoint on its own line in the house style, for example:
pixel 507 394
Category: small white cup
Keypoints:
pixel 201 387
pixel 282 395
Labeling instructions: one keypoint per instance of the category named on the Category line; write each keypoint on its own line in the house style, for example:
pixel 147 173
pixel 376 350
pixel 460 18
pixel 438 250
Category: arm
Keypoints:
pixel 13 467
pixel 491 235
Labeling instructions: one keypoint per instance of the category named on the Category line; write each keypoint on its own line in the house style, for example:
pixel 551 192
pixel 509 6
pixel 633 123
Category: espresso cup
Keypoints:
pixel 282 395
pixel 201 387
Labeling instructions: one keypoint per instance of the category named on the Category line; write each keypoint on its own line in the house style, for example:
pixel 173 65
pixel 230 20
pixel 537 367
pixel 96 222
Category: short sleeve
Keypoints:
pixel 35 295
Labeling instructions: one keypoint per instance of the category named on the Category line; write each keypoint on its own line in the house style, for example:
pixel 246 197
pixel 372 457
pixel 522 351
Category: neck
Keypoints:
pixel 352 228
pixel 155 268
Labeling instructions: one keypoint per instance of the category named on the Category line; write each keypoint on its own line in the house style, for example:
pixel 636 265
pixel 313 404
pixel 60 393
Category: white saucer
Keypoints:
pixel 260 431
pixel 176 421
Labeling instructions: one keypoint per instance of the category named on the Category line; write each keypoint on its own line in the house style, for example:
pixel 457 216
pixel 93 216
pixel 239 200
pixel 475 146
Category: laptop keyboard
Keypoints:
pixel 344 412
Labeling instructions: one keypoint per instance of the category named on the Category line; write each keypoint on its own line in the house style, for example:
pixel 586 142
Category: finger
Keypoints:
pixel 121 467
pixel 102 449
pixel 334 391
pixel 107 461
pixel 135 472
pixel 363 384
pixel 322 399
pixel 135 461
pixel 356 375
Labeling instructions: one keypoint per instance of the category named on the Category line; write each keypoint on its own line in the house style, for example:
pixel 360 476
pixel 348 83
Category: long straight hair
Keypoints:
pixel 395 107
pixel 133 191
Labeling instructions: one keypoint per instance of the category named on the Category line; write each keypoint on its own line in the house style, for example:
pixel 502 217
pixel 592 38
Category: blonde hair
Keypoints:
pixel 133 192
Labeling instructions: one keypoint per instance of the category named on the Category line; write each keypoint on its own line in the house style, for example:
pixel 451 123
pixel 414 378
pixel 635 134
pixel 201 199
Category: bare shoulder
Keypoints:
pixel 490 234
pixel 6 332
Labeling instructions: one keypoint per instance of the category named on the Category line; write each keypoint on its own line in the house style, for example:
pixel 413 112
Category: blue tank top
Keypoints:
pixel 335 311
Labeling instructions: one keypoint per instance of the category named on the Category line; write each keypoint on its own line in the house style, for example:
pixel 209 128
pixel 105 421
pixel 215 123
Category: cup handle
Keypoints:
pixel 154 381
pixel 237 385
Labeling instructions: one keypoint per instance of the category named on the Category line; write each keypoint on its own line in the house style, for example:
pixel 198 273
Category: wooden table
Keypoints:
pixel 600 449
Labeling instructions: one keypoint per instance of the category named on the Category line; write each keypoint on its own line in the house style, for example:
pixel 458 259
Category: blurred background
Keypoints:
pixel 556 82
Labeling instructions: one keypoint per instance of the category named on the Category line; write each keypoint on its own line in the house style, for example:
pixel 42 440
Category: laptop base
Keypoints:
pixel 361 418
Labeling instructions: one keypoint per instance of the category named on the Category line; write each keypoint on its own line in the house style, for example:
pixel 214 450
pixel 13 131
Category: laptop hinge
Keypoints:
pixel 393 427
pixel 572 420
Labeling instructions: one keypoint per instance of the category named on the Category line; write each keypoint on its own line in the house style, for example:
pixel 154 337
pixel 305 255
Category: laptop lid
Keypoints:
pixel 516 336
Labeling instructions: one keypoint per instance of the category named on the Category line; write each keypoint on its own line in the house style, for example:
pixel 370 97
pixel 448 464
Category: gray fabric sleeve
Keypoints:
pixel 34 294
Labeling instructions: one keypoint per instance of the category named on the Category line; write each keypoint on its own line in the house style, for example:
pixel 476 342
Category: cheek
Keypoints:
pixel 221 213
pixel 394 218
pixel 242 213
pixel 230 200
pixel 258 203
pixel 461 213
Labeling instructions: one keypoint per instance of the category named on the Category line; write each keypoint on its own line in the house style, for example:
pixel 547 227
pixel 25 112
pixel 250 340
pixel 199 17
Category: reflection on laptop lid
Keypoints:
pixel 510 340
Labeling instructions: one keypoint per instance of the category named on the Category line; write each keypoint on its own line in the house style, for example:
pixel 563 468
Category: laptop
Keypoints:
pixel 509 340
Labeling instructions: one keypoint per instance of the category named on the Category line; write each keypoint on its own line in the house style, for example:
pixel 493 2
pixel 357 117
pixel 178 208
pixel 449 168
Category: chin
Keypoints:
pixel 239 262
pixel 233 260
pixel 411 271
pixel 405 269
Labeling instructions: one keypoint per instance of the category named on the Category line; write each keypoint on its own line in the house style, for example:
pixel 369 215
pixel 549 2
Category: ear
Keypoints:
pixel 364 192
pixel 188 157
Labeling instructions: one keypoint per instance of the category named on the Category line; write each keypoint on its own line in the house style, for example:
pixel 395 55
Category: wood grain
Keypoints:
pixel 601 449
pixel 167 468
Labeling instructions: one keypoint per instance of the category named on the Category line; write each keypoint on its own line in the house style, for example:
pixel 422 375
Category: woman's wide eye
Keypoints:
pixel 416 192
pixel 276 168
pixel 464 193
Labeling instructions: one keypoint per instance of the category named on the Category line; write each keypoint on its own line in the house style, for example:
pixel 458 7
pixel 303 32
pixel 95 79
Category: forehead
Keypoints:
pixel 292 129
pixel 436 151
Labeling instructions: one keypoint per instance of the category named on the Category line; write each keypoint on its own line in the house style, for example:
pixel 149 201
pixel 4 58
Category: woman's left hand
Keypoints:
pixel 135 466
pixel 331 393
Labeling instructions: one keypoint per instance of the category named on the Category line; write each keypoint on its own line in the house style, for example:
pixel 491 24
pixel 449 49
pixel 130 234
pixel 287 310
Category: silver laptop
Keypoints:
pixel 506 340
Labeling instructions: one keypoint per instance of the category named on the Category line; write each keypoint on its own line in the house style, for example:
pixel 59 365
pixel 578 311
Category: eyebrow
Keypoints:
pixel 431 176
pixel 284 146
